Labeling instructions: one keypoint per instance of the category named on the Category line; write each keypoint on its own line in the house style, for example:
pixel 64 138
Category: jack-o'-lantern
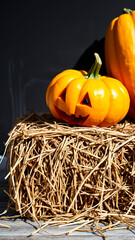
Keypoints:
pixel 86 99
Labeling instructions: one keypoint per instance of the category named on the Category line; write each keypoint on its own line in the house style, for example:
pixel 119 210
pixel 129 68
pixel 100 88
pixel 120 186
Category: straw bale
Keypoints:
pixel 65 174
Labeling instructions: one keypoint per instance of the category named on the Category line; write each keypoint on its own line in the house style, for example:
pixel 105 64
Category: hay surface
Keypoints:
pixel 64 174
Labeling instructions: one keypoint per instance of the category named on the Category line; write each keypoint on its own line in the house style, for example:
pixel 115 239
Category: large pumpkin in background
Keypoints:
pixel 120 53
pixel 87 99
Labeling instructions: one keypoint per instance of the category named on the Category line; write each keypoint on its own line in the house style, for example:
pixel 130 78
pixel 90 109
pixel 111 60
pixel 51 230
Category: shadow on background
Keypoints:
pixel 87 59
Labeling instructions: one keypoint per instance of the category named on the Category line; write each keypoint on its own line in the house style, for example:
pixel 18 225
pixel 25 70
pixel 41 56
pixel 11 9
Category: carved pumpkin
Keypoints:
pixel 87 99
pixel 120 53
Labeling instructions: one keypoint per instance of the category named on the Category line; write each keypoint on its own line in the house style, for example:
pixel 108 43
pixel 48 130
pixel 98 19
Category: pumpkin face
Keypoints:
pixel 81 98
pixel 120 53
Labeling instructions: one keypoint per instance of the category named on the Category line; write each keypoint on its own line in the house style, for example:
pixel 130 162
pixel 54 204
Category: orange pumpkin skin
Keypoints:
pixel 73 98
pixel 120 53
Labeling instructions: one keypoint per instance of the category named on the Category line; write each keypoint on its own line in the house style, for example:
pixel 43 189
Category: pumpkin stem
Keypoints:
pixel 126 10
pixel 94 70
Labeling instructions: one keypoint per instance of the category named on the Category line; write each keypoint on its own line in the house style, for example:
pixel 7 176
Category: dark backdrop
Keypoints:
pixel 38 39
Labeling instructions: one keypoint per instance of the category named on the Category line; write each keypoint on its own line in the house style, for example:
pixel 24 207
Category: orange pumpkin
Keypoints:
pixel 120 53
pixel 87 99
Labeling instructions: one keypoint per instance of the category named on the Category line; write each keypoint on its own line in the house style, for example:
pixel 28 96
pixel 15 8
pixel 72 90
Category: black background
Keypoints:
pixel 38 39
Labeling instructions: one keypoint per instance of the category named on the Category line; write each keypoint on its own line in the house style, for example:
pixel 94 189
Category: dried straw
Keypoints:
pixel 3 225
pixel 66 175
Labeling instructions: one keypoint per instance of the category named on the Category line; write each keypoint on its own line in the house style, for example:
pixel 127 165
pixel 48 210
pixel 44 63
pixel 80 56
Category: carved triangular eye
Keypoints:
pixel 86 100
pixel 63 95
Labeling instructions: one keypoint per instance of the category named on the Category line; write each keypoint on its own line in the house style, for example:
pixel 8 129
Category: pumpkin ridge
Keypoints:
pixel 115 87
pixel 110 39
pixel 133 20
pixel 111 58
pixel 132 90
pixel 132 17
pixel 123 65
pixel 117 55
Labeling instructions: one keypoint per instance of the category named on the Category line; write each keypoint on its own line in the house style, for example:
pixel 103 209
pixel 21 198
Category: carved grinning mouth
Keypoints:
pixel 72 119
